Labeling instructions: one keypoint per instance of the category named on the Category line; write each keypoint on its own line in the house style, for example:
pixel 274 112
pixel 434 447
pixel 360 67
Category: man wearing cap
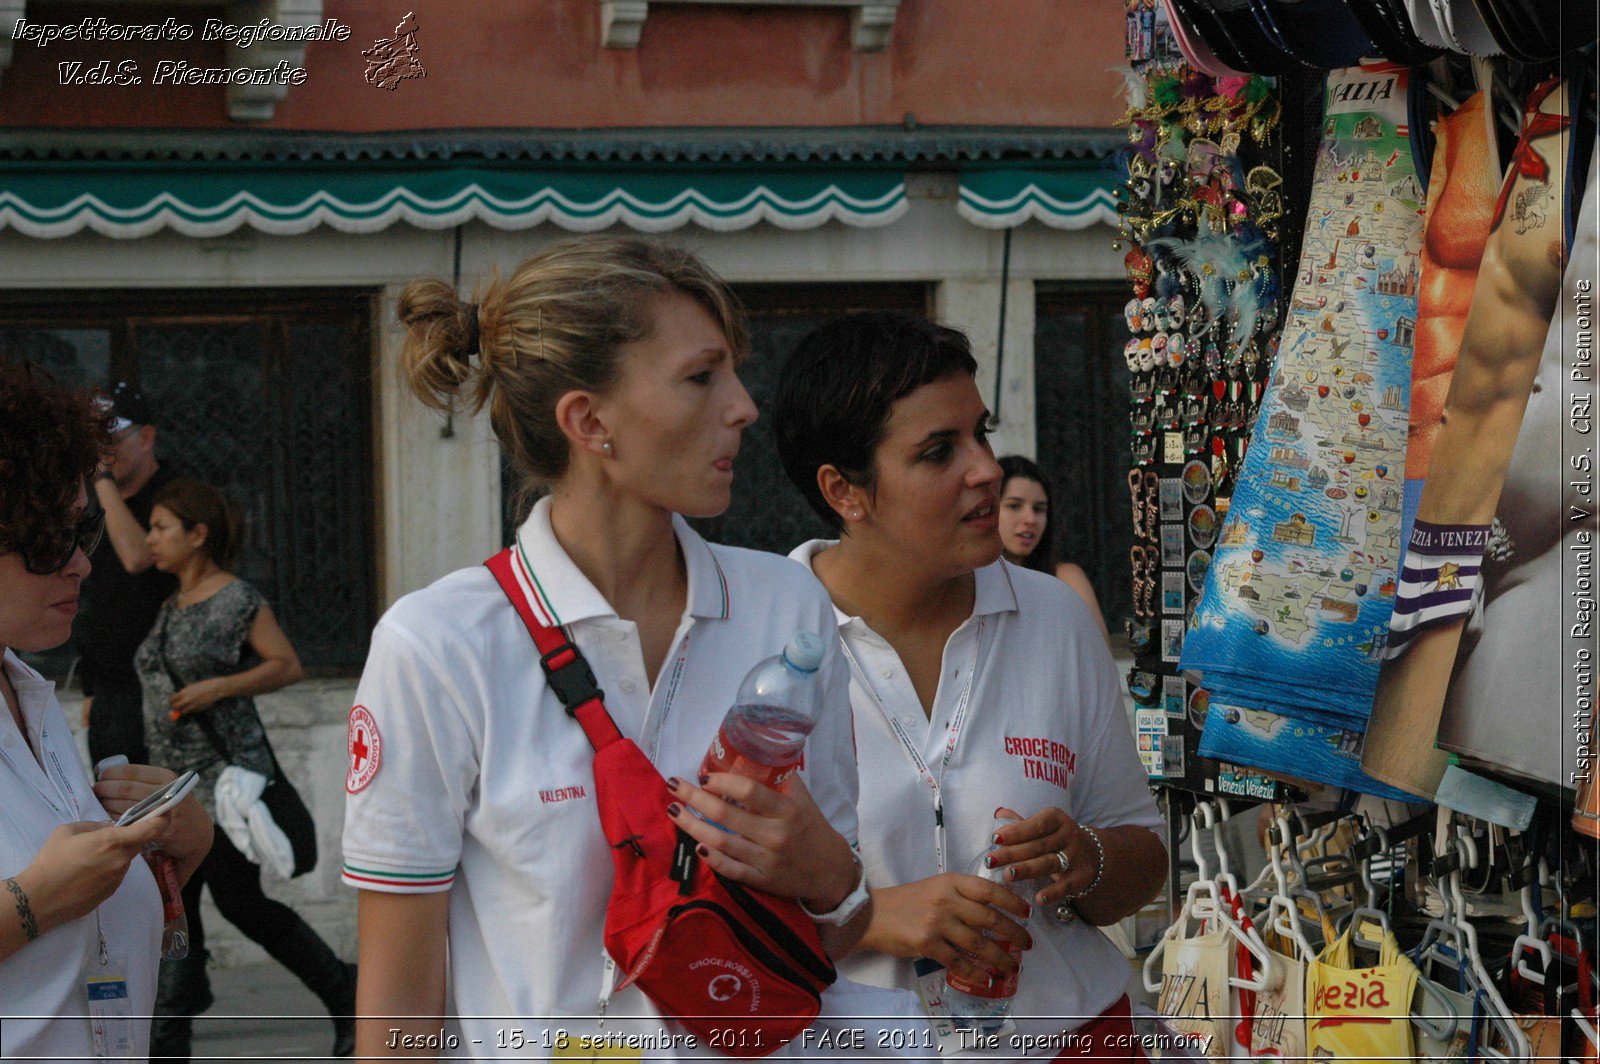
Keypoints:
pixel 124 591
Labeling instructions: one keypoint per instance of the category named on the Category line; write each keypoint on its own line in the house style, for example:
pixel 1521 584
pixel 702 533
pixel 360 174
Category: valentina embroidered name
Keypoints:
pixel 562 794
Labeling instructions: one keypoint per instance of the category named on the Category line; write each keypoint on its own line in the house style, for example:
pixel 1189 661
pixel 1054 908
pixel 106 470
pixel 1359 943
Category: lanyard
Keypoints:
pixel 952 734
pixel 673 679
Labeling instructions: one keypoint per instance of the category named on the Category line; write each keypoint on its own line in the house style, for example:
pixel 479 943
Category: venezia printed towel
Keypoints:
pixel 1303 582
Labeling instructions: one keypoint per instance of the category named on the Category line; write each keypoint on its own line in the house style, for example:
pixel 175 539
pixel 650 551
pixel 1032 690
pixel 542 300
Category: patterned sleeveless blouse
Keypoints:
pixel 200 642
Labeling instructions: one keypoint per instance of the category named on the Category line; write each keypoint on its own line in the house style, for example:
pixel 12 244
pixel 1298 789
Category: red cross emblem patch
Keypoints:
pixel 366 747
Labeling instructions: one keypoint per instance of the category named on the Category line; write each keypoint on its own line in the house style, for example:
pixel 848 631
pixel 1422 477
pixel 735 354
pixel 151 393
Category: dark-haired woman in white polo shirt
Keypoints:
pixel 979 688
pixel 608 367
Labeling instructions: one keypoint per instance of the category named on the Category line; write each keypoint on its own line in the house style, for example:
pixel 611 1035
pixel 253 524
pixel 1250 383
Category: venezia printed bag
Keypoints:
pixel 1360 1014
pixel 1194 990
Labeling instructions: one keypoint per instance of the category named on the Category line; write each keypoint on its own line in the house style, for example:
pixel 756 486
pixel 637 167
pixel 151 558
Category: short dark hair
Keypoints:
pixel 1043 557
pixel 195 503
pixel 51 438
pixel 837 390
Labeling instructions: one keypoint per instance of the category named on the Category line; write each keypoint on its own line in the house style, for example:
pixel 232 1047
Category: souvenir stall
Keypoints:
pixel 1361 242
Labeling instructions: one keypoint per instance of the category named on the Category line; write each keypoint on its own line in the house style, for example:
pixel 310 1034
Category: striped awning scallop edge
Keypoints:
pixel 50 199
pixel 1072 197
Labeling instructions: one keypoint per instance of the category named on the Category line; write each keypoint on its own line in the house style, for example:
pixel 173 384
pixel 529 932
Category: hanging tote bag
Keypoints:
pixel 1360 1014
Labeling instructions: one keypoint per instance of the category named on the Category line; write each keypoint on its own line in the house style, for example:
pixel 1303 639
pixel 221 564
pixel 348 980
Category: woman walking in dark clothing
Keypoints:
pixel 214 646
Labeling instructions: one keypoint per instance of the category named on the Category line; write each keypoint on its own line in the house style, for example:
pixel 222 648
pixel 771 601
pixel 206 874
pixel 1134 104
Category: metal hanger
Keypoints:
pixel 1532 940
pixel 1204 902
pixel 1295 890
pixel 1360 917
pixel 1452 940
pixel 1283 914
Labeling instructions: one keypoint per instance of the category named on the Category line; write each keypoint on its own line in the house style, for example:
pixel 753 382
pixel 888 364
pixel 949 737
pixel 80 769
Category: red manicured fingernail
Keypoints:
pixel 704 779
pixel 1011 873
pixel 674 809
pixel 988 862
pixel 672 783
pixel 702 851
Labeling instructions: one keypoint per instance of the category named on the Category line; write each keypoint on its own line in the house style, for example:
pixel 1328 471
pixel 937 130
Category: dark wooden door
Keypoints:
pixel 1081 390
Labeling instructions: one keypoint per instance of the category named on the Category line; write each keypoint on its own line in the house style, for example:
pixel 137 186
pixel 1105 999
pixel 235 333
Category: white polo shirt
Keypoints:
pixel 1039 723
pixel 45 982
pixel 485 787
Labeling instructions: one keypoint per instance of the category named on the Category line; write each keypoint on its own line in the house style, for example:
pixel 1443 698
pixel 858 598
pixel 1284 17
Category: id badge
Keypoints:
pixel 933 991
pixel 110 1010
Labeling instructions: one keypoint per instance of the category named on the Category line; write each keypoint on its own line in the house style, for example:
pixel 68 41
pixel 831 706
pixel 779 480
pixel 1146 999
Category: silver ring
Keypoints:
pixel 1061 859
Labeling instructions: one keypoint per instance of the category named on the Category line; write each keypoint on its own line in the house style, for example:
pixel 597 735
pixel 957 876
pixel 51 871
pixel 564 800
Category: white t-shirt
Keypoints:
pixel 1043 725
pixel 45 982
pixel 484 786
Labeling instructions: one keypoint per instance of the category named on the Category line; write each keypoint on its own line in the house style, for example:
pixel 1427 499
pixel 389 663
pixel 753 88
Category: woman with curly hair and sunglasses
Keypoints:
pixel 80 918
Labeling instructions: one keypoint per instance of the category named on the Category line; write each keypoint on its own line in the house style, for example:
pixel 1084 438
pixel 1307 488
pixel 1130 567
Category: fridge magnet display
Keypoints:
pixel 1196 482
pixel 1202 526
pixel 1172 592
pixel 1196 567
pixel 1172 546
pixel 1171 499
pixel 1171 639
pixel 1172 766
pixel 1172 695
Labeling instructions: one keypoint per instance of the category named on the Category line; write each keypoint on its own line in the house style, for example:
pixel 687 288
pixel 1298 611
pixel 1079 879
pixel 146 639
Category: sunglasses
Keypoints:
pixel 53 552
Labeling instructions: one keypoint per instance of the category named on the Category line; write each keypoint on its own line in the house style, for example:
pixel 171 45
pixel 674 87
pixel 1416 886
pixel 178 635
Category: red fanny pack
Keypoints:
pixel 741 969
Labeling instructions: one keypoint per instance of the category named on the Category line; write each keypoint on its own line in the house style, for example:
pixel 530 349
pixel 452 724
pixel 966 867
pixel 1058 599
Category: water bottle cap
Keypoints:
pixel 804 652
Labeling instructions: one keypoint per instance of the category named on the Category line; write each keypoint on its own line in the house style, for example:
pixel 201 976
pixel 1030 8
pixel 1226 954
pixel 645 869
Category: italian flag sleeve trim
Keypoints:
pixel 397 882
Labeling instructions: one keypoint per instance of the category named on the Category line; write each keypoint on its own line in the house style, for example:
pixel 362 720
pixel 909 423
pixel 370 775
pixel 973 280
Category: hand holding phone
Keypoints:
pixel 159 801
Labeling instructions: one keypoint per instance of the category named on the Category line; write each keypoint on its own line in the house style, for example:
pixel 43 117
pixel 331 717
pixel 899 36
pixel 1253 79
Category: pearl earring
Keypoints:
pixel 606 446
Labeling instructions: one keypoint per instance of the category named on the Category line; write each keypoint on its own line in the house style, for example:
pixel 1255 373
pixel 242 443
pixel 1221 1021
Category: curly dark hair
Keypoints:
pixel 51 438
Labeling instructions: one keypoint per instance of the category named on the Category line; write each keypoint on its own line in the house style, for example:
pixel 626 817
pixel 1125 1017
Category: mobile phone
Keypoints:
pixel 159 801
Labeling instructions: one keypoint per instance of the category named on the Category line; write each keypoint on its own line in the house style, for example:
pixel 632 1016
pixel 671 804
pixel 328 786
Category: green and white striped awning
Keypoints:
pixel 1063 197
pixel 128 199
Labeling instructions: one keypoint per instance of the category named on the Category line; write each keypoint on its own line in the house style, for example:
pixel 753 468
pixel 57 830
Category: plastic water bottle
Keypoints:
pixel 984 1003
pixel 764 734
pixel 175 922
pixel 175 927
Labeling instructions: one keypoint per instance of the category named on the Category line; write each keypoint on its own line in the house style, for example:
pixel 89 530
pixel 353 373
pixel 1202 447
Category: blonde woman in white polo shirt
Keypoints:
pixel 80 914
pixel 979 688
pixel 608 367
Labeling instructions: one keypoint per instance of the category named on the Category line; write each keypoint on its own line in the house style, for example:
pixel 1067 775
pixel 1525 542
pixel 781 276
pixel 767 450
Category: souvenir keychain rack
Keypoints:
pixel 1205 217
